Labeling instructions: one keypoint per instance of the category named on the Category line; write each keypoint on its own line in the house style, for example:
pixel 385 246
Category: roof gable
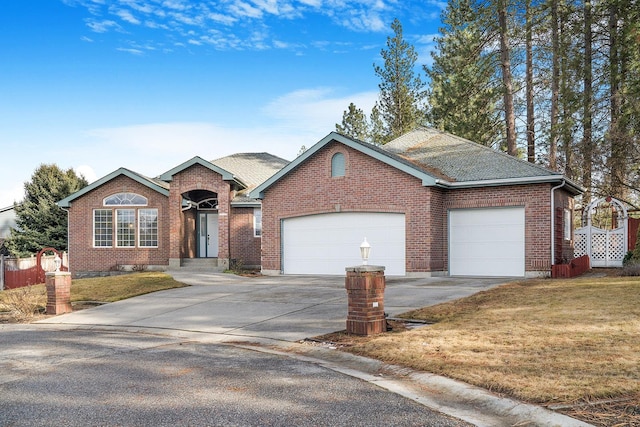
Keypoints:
pixel 151 183
pixel 197 160
pixel 363 147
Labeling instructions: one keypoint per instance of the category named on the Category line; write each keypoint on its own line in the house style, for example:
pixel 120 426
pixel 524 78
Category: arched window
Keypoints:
pixel 337 165
pixel 125 199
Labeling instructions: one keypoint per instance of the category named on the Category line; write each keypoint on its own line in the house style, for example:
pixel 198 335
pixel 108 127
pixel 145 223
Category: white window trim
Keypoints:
pixel 567 225
pixel 342 171
pixel 257 230
pixel 116 228
pixel 104 201
pixel 139 231
pixel 93 229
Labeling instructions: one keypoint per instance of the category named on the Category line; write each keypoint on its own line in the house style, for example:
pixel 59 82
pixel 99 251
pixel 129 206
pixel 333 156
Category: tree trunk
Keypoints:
pixel 555 86
pixel 509 111
pixel 587 106
pixel 531 137
pixel 615 135
pixel 566 92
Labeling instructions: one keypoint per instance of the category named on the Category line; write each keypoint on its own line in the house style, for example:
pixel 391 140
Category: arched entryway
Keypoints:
pixel 203 206
pixel 604 233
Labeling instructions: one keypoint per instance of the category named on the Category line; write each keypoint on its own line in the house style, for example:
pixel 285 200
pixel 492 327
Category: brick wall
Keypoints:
pixel 536 200
pixel 83 257
pixel 372 186
pixel 368 186
pixel 245 248
pixel 563 248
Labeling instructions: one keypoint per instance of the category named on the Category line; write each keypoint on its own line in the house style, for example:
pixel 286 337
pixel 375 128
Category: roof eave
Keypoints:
pixel 247 204
pixel 574 188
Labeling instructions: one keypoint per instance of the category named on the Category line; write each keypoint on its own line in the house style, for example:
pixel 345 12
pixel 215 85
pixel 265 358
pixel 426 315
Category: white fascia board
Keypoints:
pixel 512 181
pixel 256 204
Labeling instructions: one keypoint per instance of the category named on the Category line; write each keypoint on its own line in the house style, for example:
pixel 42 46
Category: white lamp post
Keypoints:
pixel 365 248
pixel 58 262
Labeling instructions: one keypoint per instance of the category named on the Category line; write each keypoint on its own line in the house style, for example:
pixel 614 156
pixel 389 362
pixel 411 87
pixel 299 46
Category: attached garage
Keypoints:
pixel 327 243
pixel 487 242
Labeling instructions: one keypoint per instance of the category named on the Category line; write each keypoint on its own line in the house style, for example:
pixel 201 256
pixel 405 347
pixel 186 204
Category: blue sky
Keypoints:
pixel 95 85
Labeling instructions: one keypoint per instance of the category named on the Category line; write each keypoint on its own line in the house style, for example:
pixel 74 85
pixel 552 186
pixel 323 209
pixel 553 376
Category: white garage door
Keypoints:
pixel 486 242
pixel 327 243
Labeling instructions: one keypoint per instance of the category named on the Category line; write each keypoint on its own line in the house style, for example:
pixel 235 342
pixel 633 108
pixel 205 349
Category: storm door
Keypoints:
pixel 207 234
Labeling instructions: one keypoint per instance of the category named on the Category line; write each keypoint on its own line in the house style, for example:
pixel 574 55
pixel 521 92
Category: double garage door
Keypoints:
pixel 482 242
pixel 327 243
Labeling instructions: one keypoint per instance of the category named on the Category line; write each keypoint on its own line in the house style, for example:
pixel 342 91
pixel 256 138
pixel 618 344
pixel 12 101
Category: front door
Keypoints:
pixel 208 235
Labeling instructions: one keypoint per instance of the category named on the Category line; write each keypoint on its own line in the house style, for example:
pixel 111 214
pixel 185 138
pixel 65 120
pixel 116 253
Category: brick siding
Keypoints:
pixel 83 257
pixel 370 185
pixel 245 248
pixel 176 228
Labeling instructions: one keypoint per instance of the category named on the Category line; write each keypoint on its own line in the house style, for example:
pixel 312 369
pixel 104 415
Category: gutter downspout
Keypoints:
pixel 68 255
pixel 553 220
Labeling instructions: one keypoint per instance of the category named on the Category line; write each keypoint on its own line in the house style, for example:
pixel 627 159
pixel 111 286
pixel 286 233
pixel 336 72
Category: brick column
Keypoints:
pixel 365 288
pixel 58 292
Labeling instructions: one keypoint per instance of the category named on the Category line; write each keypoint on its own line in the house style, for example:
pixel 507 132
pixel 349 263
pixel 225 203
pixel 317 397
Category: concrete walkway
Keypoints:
pixel 274 314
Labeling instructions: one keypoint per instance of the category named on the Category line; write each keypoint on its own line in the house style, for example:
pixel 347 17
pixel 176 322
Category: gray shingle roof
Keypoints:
pixel 456 159
pixel 251 168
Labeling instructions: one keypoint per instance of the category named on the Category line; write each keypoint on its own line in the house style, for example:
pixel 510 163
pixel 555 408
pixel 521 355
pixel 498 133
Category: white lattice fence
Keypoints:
pixel 605 248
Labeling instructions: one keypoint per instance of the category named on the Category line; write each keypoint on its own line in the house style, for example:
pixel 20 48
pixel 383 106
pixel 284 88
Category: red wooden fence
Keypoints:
pixel 576 267
pixel 17 277
pixel 633 223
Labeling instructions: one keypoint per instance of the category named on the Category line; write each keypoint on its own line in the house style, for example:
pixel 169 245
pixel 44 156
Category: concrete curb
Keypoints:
pixel 463 401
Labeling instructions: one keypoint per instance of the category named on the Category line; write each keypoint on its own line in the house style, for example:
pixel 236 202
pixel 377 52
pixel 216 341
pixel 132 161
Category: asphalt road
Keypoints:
pixel 81 377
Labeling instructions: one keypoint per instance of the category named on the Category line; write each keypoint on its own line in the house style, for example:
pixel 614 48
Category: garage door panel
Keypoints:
pixel 327 243
pixel 486 242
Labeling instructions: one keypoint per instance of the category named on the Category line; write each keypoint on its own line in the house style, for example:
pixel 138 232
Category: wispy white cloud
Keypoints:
pixel 317 110
pixel 103 26
pixel 126 16
pixel 243 9
pixel 130 50
pixel 176 18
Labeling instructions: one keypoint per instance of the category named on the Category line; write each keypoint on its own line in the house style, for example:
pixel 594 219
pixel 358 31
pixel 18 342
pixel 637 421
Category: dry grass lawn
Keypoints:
pixel 552 342
pixel 22 304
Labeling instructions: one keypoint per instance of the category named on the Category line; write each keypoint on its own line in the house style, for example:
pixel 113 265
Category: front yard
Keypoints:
pixel 571 345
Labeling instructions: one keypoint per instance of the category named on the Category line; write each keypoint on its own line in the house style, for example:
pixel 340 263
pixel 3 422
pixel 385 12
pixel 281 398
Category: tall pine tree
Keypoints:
pixel 40 223
pixel 463 95
pixel 354 123
pixel 401 89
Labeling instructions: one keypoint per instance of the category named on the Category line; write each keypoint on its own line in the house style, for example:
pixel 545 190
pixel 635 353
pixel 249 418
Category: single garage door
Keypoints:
pixel 327 243
pixel 486 242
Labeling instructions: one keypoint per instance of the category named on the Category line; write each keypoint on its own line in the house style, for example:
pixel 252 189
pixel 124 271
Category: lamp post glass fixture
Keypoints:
pixel 365 248
pixel 58 262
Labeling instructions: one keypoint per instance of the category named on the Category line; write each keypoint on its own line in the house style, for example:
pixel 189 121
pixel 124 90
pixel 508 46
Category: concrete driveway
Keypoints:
pixel 286 308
